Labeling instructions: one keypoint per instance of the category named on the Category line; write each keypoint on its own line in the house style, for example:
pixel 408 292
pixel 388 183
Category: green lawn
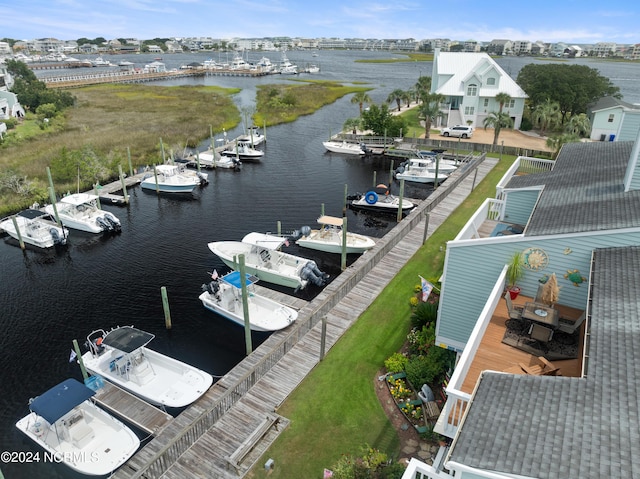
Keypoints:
pixel 335 410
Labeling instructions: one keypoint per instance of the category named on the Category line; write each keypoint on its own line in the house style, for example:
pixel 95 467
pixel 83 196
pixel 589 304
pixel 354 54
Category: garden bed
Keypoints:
pixel 407 401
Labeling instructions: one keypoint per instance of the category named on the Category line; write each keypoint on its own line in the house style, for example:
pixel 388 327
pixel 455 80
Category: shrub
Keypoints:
pixel 421 340
pixel 429 368
pixel 396 363
pixel 424 314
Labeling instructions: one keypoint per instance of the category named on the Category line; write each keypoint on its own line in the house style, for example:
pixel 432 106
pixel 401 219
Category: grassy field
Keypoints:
pixel 335 410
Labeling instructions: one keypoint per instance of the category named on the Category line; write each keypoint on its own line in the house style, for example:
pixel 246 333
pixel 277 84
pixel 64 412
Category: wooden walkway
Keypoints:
pixel 141 414
pixel 220 424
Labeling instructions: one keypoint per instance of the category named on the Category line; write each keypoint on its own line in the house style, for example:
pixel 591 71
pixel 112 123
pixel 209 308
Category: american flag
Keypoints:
pixel 426 289
pixel 214 275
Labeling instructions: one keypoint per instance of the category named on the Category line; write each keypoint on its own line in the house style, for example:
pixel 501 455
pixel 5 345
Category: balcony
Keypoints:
pixel 486 350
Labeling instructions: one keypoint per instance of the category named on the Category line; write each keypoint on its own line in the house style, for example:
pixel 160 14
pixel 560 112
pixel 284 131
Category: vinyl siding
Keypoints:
pixel 473 266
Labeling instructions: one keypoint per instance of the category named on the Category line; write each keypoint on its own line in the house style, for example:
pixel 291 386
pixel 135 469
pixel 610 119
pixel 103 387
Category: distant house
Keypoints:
pixel 9 104
pixel 613 120
pixel 154 49
pixel 580 219
pixel 470 83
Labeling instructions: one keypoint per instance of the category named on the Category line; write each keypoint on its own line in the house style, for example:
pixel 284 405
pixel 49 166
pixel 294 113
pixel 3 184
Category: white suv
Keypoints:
pixel 458 131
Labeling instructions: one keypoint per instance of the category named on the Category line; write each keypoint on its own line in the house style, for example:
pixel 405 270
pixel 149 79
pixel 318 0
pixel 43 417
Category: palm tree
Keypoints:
pixel 396 95
pixel 360 98
pixel 546 115
pixel 423 85
pixel 556 142
pixel 429 109
pixel 502 98
pixel 579 125
pixel 352 124
pixel 498 121
pixel 409 95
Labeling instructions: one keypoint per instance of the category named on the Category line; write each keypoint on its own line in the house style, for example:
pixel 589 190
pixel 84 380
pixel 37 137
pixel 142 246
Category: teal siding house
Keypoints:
pixel 576 219
pixel 614 120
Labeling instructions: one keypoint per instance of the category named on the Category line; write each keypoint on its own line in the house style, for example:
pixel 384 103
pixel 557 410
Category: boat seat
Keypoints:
pixel 80 433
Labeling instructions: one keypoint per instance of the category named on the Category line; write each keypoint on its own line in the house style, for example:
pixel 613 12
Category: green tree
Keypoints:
pixel 360 98
pixel 396 95
pixel 556 142
pixel 423 86
pixel 497 121
pixel 352 124
pixel 380 120
pixel 429 110
pixel 574 87
pixel 502 98
pixel 546 115
pixel 32 92
pixel 579 125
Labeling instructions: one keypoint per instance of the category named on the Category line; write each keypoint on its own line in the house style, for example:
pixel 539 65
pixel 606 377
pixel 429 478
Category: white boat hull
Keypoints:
pixel 420 177
pixel 264 314
pixel 343 147
pixel 331 242
pixel 168 179
pixel 97 448
pixel 36 232
pixel 271 266
pixel 381 203
pixel 80 211
pixel 158 379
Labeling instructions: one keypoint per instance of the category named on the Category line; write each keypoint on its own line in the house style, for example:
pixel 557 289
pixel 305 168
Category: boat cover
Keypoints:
pixel 61 399
pixel 32 214
pixel 127 339
pixel 233 279
pixel 264 240
pixel 330 220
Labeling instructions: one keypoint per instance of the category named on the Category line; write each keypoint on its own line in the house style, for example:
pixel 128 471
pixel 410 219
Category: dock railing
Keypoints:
pixel 275 348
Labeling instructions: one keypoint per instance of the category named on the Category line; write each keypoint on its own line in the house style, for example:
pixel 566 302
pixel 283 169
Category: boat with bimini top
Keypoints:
pixel 121 356
pixel 36 228
pixel 66 423
pixel 223 295
pixel 81 211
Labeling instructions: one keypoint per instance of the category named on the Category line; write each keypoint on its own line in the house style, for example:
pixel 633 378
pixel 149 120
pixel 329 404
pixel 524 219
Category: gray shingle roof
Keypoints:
pixel 560 427
pixel 584 191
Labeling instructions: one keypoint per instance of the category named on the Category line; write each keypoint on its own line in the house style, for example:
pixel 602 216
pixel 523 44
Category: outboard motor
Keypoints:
pixel 305 230
pixel 213 288
pixel 203 180
pixel 311 272
pixel 115 225
pixel 104 225
pixel 57 239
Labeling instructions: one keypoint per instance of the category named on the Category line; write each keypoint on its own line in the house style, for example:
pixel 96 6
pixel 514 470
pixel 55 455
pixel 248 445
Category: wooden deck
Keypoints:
pixel 141 414
pixel 497 356
pixel 199 441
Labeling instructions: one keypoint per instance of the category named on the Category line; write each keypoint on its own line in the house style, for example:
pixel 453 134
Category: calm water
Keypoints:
pixel 49 299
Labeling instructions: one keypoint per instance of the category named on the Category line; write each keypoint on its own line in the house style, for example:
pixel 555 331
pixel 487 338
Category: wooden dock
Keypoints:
pixel 133 410
pixel 223 423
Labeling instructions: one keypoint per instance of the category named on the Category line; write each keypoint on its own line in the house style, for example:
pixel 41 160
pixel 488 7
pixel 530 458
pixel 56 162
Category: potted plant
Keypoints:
pixel 515 270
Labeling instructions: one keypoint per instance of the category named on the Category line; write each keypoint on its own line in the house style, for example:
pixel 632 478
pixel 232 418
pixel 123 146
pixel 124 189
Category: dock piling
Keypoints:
pixel 165 307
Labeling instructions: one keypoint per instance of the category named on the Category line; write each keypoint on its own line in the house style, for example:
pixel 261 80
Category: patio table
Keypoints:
pixel 541 313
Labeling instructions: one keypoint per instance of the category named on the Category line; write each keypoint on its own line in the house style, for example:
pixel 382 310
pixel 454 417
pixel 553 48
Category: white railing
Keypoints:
pixel 489 210
pixel 523 165
pixel 454 409
pixel 419 470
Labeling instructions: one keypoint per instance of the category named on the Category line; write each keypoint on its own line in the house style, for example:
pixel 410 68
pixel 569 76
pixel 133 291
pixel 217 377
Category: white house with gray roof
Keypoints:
pixel 470 83
pixel 582 215
pixel 613 120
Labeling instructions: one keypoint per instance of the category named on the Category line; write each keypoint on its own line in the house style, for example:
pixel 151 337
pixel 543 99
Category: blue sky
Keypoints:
pixel 572 21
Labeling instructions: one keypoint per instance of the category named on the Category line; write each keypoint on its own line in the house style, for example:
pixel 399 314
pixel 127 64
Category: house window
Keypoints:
pixel 469 110
pixel 486 102
pixel 491 81
pixel 472 90
pixel 611 117
pixel 511 104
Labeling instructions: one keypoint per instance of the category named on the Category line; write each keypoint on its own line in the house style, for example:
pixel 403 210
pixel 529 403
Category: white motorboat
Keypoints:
pixel 254 137
pixel 380 200
pixel 313 68
pixel 71 428
pixel 208 159
pixel 329 237
pixel 223 295
pixel 243 151
pixel 80 211
pixel 265 65
pixel 286 67
pixel 101 62
pixel 344 147
pixel 35 228
pixel 431 162
pixel 270 265
pixel 170 179
pixel 419 170
pixel 121 356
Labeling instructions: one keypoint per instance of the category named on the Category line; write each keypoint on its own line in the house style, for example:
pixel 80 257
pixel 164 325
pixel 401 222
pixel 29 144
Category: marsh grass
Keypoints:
pixel 110 118
pixel 284 103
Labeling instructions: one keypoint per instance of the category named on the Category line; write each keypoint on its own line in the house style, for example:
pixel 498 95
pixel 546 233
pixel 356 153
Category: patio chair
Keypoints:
pixel 570 327
pixel 515 312
pixel 542 368
pixel 540 335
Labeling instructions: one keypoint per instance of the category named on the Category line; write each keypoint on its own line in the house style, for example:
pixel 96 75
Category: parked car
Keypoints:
pixel 458 131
